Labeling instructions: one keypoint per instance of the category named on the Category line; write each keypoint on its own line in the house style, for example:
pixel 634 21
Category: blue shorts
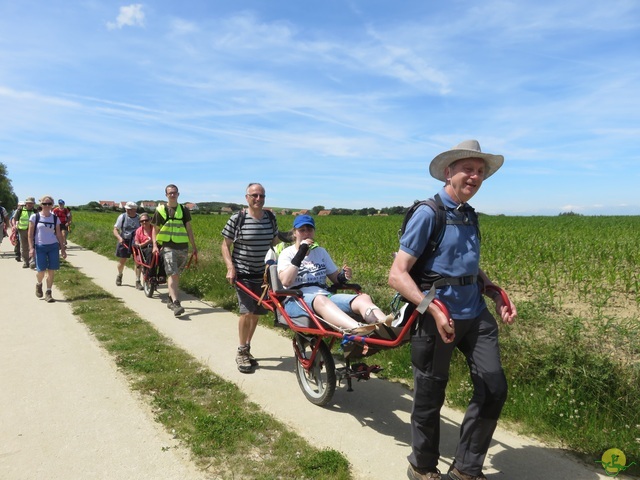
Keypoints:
pixel 123 250
pixel 48 257
pixel 342 300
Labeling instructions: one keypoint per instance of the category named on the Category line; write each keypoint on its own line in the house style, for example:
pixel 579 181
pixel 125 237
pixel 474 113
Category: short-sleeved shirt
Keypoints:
pixel 457 255
pixel 142 236
pixel 45 229
pixel 252 243
pixel 127 225
pixel 64 214
pixel 314 269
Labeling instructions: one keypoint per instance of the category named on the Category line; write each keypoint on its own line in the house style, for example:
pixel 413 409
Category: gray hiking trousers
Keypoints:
pixel 477 339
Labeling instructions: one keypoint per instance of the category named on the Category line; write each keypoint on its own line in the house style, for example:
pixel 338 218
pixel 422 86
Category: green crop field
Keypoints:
pixel 572 358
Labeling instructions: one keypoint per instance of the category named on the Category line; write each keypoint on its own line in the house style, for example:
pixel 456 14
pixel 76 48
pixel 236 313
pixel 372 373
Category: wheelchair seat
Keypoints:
pixel 276 286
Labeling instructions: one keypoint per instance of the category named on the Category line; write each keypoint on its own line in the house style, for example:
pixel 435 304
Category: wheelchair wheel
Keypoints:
pixel 148 287
pixel 318 383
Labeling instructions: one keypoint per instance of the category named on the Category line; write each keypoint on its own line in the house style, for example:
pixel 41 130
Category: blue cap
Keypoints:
pixel 61 201
pixel 302 220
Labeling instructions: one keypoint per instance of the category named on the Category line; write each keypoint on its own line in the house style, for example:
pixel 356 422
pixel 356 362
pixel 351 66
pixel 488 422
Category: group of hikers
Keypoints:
pixel 438 257
pixel 166 234
pixel 39 235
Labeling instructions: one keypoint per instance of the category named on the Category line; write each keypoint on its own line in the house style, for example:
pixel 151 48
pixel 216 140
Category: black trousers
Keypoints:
pixel 477 339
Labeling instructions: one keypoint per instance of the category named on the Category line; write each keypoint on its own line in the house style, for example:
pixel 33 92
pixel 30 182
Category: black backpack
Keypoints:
pixel 441 221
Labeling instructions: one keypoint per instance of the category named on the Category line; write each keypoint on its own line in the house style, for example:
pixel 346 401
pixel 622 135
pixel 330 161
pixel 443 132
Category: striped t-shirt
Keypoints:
pixel 252 244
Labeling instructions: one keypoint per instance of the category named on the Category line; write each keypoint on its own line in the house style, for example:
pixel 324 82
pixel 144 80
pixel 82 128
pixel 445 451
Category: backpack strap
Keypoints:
pixel 35 224
pixel 121 219
pixel 432 280
pixel 242 215
pixel 35 227
pixel 436 236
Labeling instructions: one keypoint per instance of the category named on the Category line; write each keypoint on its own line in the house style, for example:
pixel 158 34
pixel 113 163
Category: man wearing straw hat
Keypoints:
pixel 471 327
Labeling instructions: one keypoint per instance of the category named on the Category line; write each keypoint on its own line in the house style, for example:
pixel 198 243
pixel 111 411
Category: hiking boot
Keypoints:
pixel 456 474
pixel 139 285
pixel 25 264
pixel 119 279
pixel 18 259
pixel 177 308
pixel 252 359
pixel 414 474
pixel 39 290
pixel 48 298
pixel 242 360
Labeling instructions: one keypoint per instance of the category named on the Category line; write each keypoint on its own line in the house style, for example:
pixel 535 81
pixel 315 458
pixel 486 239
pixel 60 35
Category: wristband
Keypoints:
pixel 297 260
pixel 342 277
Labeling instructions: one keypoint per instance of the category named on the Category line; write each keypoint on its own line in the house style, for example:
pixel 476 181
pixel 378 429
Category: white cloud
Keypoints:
pixel 131 16
pixel 182 27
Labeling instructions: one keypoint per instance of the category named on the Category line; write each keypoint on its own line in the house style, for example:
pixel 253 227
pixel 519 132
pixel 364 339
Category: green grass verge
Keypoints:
pixel 229 436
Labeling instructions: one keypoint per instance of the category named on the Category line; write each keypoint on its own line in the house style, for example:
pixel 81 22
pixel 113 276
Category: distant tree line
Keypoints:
pixel 9 200
pixel 210 208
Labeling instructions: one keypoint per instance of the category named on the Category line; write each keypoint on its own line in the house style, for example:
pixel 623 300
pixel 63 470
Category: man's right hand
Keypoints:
pixel 445 325
pixel 231 275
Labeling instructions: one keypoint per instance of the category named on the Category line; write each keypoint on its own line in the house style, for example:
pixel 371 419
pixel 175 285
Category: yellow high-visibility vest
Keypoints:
pixel 173 229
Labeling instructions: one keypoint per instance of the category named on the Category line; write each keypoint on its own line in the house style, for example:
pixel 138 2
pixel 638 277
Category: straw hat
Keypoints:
pixel 466 149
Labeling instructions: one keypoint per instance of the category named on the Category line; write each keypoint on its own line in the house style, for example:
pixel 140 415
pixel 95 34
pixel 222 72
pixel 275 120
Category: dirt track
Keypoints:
pixel 67 413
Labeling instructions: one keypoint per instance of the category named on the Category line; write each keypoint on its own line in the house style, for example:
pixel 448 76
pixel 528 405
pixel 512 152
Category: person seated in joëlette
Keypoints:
pixel 306 266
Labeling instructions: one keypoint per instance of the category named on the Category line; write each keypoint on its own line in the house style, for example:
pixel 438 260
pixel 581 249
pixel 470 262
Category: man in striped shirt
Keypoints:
pixel 252 232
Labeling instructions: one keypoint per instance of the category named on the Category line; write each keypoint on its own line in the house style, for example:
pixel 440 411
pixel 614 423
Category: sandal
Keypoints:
pixel 361 329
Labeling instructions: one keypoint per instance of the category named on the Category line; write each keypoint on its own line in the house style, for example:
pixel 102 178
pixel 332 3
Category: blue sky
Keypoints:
pixel 333 103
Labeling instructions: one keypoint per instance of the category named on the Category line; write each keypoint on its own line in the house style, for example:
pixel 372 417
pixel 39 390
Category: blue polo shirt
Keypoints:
pixel 457 255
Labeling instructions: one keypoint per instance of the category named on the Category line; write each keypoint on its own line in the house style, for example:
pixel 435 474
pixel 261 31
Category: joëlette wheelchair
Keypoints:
pixel 314 338
pixel 152 265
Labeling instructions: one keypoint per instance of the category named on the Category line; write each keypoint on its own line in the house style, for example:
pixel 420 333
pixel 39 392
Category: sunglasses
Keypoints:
pixel 47 204
pixel 256 195
pixel 144 221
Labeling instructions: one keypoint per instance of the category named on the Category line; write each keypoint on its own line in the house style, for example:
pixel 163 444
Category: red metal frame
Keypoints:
pixel 138 258
pixel 503 295
pixel 273 302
